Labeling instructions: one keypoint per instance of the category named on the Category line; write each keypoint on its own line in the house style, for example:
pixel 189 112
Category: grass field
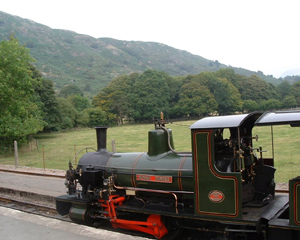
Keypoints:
pixel 60 148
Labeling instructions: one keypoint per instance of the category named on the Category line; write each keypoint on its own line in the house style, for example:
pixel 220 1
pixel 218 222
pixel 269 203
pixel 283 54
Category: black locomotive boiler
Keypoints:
pixel 222 189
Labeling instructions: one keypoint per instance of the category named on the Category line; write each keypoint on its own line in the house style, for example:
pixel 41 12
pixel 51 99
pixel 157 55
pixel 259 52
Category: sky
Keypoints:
pixel 259 35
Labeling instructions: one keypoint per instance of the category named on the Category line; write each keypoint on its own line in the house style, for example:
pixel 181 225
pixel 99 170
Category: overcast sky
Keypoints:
pixel 256 34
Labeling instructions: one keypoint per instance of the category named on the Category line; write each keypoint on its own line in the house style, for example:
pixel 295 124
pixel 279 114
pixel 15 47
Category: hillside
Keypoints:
pixel 67 57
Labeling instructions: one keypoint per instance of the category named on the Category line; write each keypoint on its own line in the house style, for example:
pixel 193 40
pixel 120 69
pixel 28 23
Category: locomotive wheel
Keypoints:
pixel 174 230
pixel 89 220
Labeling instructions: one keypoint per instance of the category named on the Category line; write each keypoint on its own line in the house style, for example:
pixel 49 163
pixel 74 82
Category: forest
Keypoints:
pixel 30 105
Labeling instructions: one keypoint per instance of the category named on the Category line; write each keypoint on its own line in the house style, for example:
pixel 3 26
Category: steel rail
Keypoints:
pixel 32 208
pixel 32 173
pixel 26 204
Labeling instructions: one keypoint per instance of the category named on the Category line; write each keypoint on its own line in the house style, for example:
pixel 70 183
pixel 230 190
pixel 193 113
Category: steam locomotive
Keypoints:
pixel 223 189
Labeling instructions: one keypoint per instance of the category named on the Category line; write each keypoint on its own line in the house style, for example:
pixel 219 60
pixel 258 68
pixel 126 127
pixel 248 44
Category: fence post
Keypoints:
pixel 16 154
pixel 113 145
pixel 75 160
pixel 44 157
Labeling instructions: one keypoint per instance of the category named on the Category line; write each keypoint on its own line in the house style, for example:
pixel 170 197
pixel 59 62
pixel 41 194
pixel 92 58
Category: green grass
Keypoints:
pixel 60 148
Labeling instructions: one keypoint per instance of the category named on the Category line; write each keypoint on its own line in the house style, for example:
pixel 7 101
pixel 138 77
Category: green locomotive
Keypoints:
pixel 221 189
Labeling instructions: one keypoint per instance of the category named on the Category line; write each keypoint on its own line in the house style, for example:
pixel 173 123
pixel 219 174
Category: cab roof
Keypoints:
pixel 254 118
pixel 228 121
pixel 279 118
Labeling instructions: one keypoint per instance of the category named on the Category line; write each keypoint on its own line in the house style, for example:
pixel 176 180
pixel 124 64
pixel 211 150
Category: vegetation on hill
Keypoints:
pixel 66 57
pixel 292 79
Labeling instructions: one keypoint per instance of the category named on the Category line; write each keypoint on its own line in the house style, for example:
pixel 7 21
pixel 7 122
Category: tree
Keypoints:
pixel 150 95
pixel 295 91
pixel 82 119
pixel 196 100
pixel 227 95
pixel 79 102
pixel 98 117
pixel 68 113
pixel 47 101
pixel 255 88
pixel 70 89
pixel 284 88
pixel 229 74
pixel 250 106
pixel 19 114
pixel 114 97
pixel 174 84
pixel 137 96
pixel 270 104
pixel 289 102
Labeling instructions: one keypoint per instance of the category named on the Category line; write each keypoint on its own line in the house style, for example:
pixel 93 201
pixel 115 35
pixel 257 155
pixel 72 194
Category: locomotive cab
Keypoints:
pixel 224 166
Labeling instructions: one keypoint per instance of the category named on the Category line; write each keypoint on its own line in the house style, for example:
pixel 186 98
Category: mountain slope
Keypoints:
pixel 292 72
pixel 67 57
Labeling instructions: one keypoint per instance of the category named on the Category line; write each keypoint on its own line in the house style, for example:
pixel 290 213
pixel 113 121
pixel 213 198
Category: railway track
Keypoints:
pixel 41 174
pixel 31 207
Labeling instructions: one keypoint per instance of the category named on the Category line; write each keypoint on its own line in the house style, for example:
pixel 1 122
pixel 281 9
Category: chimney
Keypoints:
pixel 101 138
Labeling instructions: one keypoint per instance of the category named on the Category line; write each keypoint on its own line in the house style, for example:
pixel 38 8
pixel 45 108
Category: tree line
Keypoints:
pixel 140 97
pixel 29 103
